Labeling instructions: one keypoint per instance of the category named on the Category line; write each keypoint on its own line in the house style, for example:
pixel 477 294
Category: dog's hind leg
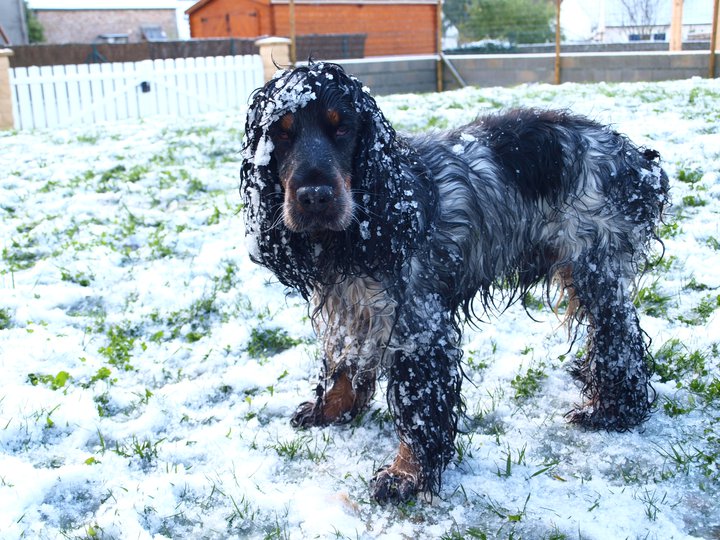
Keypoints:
pixel 614 372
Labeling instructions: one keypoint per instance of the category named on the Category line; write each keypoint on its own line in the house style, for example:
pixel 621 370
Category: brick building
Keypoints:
pixel 396 27
pixel 85 21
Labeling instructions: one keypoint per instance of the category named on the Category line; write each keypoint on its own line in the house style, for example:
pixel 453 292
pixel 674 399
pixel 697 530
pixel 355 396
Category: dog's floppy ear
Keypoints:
pixel 269 243
pixel 397 196
pixel 379 150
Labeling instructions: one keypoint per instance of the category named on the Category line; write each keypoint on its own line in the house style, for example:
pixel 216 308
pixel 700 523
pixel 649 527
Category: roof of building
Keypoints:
pixel 202 3
pixel 101 4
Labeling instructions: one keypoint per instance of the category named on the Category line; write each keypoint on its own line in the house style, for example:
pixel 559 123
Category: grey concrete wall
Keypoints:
pixel 395 75
pixel 417 74
pixel 508 70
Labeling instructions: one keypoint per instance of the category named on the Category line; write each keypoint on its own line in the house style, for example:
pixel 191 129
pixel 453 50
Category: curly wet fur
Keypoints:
pixel 438 222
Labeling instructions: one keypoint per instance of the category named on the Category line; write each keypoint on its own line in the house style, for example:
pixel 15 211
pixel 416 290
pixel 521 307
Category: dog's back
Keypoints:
pixel 526 192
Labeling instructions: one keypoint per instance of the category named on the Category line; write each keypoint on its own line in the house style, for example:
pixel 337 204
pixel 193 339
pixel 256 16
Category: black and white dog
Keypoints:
pixel 394 238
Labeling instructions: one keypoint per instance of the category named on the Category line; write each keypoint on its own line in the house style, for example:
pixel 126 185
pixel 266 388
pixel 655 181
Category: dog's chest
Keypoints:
pixel 356 316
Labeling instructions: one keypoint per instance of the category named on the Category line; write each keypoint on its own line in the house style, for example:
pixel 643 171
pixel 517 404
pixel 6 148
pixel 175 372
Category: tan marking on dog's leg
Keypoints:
pixel 401 480
pixel 405 463
pixel 564 282
pixel 341 403
pixel 339 400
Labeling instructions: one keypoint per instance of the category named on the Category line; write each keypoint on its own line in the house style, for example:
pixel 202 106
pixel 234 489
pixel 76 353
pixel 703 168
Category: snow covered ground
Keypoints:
pixel 148 369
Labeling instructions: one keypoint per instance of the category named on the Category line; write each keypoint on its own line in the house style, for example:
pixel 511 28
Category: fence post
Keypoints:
pixel 6 111
pixel 274 51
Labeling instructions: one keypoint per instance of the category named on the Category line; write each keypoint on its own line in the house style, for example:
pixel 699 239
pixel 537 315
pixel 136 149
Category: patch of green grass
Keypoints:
pixel 698 92
pixel 713 243
pixel 120 346
pixel 292 448
pixel 20 255
pixel 55 382
pixel 265 342
pixel 304 446
pixel 533 302
pixel 80 278
pixel 691 370
pixel 694 285
pixel 195 185
pixel 214 218
pixel 693 201
pixel 103 374
pixel 702 453
pixel 671 229
pixel 114 178
pixel 526 386
pixel 5 318
pixel 156 243
pixel 673 407
pixel 88 138
pixel 660 263
pixel 690 176
pixel 673 362
pixel 475 363
pixel 701 313
pixel 144 450
pixel 196 321
pixel 82 179
pixel 437 122
pixel 465 534
pixel 229 279
pixel 652 301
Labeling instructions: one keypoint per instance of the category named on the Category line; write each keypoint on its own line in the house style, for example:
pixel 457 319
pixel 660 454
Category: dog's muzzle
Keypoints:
pixel 315 199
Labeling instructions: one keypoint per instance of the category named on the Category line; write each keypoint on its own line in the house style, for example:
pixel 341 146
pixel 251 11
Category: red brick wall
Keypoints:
pixel 390 28
pixel 83 26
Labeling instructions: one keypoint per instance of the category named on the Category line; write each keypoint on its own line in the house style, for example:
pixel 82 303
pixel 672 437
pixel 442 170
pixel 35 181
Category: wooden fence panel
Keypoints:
pixel 52 96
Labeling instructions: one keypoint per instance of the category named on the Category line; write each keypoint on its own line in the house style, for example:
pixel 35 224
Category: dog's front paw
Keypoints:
pixel 393 487
pixel 308 414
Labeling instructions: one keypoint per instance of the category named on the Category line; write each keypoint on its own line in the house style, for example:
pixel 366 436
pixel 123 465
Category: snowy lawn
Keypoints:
pixel 148 369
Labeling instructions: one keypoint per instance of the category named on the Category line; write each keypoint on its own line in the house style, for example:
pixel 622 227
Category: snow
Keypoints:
pixel 136 282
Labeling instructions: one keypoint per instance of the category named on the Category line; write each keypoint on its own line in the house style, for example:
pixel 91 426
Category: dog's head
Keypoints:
pixel 311 135
pixel 323 173
pixel 314 148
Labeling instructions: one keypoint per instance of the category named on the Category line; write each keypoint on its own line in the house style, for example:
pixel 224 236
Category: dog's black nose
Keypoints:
pixel 315 198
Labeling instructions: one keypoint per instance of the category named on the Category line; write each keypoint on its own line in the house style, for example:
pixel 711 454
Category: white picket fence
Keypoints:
pixel 51 96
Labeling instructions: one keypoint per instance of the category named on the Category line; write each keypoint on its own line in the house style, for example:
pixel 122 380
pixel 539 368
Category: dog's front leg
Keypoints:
pixel 354 321
pixel 424 381
pixel 340 396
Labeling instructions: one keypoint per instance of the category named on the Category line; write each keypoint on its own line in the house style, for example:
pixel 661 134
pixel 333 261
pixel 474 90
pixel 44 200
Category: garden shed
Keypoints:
pixel 399 27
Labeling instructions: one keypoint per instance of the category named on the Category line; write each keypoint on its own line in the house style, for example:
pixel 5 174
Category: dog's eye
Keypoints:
pixel 283 135
pixel 341 131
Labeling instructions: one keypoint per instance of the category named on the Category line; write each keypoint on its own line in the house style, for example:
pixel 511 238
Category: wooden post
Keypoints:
pixel 274 51
pixel 676 26
pixel 714 37
pixel 6 110
pixel 438 45
pixel 558 37
pixel 293 50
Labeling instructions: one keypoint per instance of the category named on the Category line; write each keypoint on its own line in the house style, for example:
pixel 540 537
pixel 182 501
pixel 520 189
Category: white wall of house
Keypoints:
pixel 608 21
